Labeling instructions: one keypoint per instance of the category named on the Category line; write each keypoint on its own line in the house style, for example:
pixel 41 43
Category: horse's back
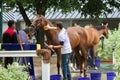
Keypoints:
pixel 73 33
pixel 93 35
pixel 80 35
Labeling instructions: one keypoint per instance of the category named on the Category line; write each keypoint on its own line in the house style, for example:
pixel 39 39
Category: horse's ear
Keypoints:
pixel 105 24
pixel 39 14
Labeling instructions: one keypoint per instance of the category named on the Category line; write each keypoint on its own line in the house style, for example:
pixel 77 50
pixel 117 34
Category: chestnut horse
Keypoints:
pixel 80 39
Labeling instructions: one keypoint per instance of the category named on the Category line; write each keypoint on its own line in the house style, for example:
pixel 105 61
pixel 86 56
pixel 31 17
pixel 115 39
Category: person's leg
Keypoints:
pixel 73 60
pixel 68 68
pixel 92 58
pixel 77 62
pixel 64 66
pixel 5 62
pixel 22 61
pixel 8 60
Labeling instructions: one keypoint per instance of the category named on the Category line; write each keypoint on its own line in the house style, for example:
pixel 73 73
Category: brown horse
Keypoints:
pixel 80 39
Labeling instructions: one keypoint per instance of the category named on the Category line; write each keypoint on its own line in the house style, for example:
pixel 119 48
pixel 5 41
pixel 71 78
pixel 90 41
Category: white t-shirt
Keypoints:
pixel 63 37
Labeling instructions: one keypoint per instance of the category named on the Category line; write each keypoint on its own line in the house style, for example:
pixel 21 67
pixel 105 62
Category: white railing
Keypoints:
pixel 28 53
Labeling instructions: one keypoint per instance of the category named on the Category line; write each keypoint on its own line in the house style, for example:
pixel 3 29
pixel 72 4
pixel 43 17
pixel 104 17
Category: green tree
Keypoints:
pixel 92 8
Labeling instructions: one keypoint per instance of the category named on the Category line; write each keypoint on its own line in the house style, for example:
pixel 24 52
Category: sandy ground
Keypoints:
pixel 53 69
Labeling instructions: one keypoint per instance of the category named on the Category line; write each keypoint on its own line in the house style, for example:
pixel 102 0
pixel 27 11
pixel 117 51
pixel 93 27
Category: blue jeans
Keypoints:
pixel 65 66
pixel 91 61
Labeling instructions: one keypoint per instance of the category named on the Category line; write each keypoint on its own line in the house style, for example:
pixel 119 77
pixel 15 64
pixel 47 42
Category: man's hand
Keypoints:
pixel 50 46
pixel 55 47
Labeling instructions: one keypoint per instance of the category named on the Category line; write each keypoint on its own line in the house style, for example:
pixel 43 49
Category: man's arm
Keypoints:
pixel 55 47
pixel 49 27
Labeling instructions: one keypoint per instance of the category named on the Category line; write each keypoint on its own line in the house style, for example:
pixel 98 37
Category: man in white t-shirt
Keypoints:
pixel 65 50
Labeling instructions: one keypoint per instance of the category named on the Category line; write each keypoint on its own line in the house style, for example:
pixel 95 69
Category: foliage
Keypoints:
pixel 111 47
pixel 13 73
pixel 117 54
pixel 106 52
pixel 93 8
pixel 109 44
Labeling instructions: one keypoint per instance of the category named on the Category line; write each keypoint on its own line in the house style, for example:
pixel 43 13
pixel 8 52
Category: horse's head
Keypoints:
pixel 105 30
pixel 39 22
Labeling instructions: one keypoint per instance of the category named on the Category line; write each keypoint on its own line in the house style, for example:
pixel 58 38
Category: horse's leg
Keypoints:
pixel 72 61
pixel 94 54
pixel 85 57
pixel 79 57
pixel 58 60
pixel 94 49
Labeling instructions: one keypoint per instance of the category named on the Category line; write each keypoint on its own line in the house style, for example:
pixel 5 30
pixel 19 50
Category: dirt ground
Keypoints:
pixel 53 69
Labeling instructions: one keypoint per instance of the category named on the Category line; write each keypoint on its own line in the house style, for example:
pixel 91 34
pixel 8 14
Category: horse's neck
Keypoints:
pixel 50 33
pixel 95 31
pixel 92 35
pixel 47 21
pixel 52 37
pixel 101 32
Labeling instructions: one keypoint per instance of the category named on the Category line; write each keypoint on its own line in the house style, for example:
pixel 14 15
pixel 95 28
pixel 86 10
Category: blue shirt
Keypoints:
pixel 23 37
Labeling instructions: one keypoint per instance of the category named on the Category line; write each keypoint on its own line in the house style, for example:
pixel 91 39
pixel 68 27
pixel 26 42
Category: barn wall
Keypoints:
pixel 113 23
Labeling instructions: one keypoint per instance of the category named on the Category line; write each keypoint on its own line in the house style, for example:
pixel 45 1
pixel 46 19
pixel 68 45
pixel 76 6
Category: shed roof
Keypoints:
pixel 50 14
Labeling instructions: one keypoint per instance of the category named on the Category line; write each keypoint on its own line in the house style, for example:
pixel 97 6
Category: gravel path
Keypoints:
pixel 53 70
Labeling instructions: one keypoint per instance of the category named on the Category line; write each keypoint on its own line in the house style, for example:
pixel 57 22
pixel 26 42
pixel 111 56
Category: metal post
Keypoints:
pixel 0 24
pixel 0 20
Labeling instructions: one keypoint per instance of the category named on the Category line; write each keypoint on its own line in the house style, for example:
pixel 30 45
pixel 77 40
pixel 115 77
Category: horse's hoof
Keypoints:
pixel 89 67
pixel 82 75
pixel 96 68
pixel 85 75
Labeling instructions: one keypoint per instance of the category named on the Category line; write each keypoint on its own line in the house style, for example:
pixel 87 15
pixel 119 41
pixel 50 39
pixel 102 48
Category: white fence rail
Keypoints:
pixel 29 53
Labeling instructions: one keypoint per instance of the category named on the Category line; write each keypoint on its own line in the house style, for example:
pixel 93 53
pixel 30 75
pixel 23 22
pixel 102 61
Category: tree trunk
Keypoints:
pixel 40 32
pixel 22 11
pixel 40 9
pixel 40 35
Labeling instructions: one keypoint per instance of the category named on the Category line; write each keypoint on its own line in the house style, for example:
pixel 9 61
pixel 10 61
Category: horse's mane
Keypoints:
pixel 98 27
pixel 51 25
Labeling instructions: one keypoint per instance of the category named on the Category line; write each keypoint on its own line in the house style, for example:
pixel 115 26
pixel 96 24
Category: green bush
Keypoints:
pixel 13 73
pixel 117 54
pixel 107 52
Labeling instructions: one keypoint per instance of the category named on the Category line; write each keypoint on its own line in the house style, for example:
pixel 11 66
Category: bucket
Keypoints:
pixel 97 63
pixel 83 78
pixel 95 76
pixel 55 77
pixel 110 75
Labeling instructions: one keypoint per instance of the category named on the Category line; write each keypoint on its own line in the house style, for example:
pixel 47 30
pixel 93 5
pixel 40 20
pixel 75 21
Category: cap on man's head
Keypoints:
pixel 10 23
